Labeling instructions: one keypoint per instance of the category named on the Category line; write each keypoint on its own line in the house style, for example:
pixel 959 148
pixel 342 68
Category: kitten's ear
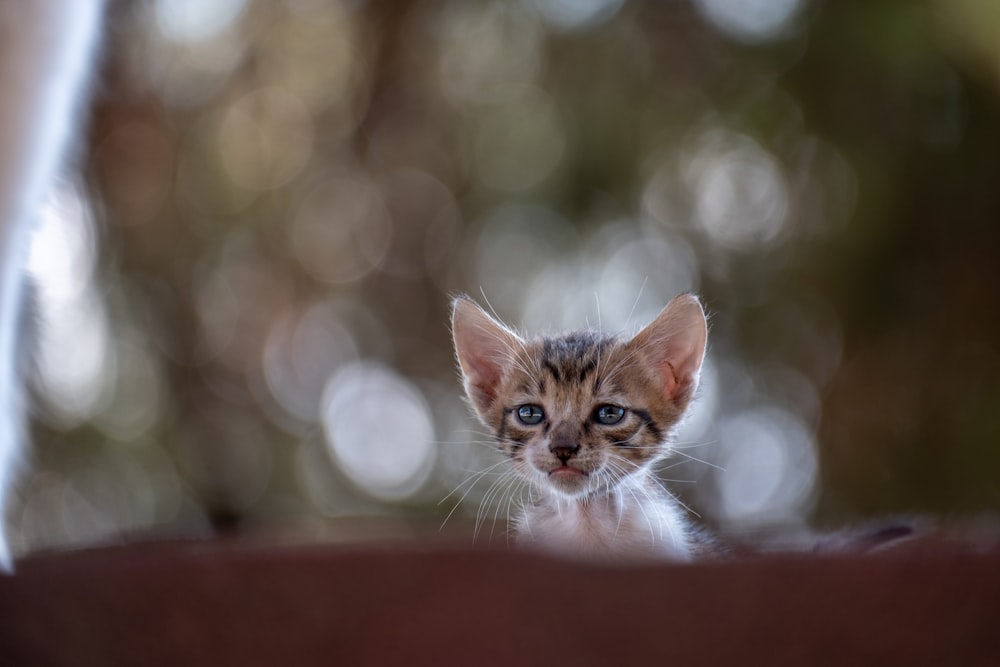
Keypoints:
pixel 485 350
pixel 674 344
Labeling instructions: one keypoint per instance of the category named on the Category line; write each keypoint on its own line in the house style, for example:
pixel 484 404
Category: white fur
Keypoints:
pixel 45 48
pixel 637 520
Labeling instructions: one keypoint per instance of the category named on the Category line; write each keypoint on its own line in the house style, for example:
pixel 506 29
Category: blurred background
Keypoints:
pixel 244 298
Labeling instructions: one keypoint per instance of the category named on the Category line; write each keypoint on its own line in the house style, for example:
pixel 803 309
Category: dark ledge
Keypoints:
pixel 226 603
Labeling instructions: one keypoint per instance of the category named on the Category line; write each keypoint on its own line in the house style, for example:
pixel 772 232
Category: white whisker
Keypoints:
pixel 695 458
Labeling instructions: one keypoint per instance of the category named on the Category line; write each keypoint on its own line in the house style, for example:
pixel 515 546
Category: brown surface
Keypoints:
pixel 220 603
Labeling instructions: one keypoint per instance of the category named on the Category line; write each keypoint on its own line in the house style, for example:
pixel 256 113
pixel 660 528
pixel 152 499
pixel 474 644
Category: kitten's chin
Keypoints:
pixel 569 480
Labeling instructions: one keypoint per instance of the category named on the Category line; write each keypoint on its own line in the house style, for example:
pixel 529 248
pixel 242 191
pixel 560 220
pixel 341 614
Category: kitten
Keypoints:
pixel 44 63
pixel 583 417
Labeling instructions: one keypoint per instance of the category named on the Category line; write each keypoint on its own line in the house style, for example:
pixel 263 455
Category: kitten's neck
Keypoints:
pixel 636 518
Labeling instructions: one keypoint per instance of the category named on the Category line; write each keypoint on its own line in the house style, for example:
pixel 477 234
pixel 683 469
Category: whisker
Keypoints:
pixel 475 477
pixel 488 304
pixel 636 302
pixel 484 504
pixel 508 491
pixel 597 300
pixel 680 502
pixel 692 445
pixel 695 458
pixel 642 510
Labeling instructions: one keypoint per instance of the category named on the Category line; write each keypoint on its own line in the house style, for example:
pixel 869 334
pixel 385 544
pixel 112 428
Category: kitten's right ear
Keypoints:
pixel 485 350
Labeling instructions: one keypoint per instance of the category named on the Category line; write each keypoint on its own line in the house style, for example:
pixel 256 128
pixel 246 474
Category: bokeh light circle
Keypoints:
pixel 379 430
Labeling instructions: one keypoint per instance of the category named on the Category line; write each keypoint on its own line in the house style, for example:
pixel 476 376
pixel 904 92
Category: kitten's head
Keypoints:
pixel 580 411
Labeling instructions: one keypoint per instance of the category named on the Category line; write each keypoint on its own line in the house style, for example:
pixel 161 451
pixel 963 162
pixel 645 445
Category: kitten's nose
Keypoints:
pixel 564 450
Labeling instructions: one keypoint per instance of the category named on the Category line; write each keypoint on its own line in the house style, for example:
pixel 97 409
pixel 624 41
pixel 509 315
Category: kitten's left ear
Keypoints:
pixel 674 344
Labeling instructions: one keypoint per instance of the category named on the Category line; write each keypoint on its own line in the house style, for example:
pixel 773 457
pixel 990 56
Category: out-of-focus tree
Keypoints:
pixel 245 302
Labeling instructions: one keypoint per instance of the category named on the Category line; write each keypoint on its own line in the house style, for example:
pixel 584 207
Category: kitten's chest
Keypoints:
pixel 614 525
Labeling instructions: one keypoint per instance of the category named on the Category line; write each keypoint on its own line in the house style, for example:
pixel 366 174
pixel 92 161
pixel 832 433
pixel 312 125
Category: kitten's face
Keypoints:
pixel 579 412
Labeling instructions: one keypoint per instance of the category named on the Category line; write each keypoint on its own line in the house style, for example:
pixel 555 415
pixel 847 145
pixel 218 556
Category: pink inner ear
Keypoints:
pixel 682 364
pixel 484 348
pixel 674 343
pixel 483 380
pixel 678 386
pixel 672 385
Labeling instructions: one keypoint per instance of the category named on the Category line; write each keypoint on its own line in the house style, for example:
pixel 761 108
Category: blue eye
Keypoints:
pixel 609 414
pixel 530 414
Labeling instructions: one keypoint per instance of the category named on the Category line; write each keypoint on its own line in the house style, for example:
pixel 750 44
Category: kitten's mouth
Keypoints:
pixel 566 472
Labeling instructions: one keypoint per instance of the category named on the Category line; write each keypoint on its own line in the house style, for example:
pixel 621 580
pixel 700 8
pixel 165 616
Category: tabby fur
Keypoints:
pixel 607 409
